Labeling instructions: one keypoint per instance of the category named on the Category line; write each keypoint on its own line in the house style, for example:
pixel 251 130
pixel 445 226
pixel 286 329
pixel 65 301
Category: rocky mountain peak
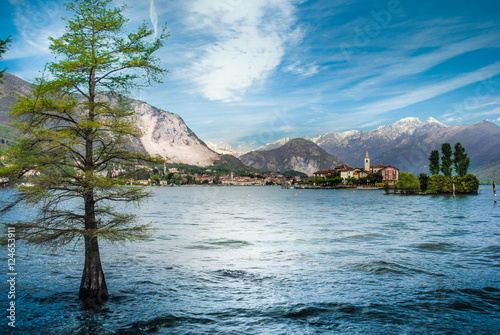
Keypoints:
pixel 297 154
pixel 433 121
pixel 223 148
pixel 164 134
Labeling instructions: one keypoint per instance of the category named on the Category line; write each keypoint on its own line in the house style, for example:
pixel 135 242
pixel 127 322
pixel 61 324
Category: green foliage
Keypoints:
pixel 424 179
pixel 362 181
pixel 460 160
pixel 332 181
pixel 142 174
pixel 466 184
pixel 7 137
pixel 408 183
pixel 438 184
pixel 3 48
pixel 375 178
pixel 72 132
pixel 294 174
pixel 434 166
pixel 446 160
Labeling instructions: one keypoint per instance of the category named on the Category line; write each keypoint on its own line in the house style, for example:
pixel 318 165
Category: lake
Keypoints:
pixel 264 260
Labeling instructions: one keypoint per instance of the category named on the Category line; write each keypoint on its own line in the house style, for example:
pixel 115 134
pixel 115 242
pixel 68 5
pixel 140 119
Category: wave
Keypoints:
pixel 383 267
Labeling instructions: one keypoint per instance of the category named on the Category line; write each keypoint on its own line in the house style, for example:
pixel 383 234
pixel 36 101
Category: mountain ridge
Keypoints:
pixel 407 144
pixel 165 134
pixel 297 154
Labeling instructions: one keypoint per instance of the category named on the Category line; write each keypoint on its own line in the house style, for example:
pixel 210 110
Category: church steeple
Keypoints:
pixel 367 161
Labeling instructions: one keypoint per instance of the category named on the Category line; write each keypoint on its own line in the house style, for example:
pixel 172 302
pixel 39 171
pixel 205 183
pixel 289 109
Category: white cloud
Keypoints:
pixel 430 91
pixel 391 68
pixel 153 16
pixel 286 128
pixel 35 22
pixel 303 70
pixel 248 41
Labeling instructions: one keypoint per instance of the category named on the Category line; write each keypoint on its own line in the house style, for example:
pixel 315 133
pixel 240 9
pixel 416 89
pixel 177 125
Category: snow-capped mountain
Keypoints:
pixel 274 145
pixel 351 146
pixel 407 126
pixel 223 148
pixel 408 142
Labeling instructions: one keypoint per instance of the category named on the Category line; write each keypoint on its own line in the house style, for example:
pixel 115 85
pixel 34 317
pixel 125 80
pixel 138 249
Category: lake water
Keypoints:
pixel 263 260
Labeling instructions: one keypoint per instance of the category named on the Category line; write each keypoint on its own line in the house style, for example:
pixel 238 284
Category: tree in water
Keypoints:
pixel 434 166
pixel 74 128
pixel 460 160
pixel 446 160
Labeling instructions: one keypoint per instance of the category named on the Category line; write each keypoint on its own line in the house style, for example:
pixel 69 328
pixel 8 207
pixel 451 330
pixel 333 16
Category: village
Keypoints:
pixel 339 176
pixel 368 174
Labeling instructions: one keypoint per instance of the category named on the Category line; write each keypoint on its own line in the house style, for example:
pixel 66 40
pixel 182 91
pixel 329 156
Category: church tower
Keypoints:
pixel 367 162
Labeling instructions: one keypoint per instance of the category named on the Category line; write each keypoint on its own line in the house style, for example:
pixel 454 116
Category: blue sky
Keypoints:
pixel 248 72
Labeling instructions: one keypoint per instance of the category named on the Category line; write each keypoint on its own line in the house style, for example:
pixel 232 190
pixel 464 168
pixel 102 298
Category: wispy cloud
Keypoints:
pixel 303 70
pixel 430 91
pixel 35 22
pixel 402 66
pixel 248 42
pixel 153 16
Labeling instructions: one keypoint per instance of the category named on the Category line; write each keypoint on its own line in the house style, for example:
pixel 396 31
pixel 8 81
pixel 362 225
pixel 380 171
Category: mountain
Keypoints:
pixel 232 162
pixel 9 89
pixel 352 145
pixel 223 148
pixel 274 145
pixel 407 144
pixel 165 133
pixel 297 154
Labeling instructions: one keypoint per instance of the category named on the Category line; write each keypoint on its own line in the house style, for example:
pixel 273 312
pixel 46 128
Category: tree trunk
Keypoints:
pixel 93 290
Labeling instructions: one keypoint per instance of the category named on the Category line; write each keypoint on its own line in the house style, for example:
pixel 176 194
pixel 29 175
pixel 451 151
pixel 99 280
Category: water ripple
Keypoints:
pixel 220 262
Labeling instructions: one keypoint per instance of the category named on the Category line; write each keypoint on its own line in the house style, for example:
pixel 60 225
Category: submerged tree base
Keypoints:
pixel 91 304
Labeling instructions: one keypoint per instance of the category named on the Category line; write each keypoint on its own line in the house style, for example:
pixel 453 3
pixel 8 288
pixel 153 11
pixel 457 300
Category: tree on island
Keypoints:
pixel 434 166
pixel 408 183
pixel 464 183
pixel 424 180
pixel 74 130
pixel 460 160
pixel 446 160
